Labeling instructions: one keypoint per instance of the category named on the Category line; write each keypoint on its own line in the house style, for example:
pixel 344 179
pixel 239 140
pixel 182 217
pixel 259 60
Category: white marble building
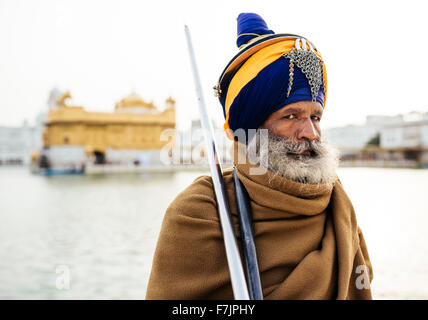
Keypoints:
pixel 190 145
pixel 17 143
pixel 352 138
pixel 402 137
pixel 408 140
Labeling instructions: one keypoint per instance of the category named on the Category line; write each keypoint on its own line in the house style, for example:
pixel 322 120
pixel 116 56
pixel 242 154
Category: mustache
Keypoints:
pixel 305 161
pixel 294 148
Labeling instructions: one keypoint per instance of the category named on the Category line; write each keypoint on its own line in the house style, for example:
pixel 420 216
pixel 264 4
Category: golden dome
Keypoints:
pixel 134 101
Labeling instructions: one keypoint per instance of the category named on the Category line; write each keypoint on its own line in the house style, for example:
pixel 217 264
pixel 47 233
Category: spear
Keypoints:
pixel 239 284
pixel 247 237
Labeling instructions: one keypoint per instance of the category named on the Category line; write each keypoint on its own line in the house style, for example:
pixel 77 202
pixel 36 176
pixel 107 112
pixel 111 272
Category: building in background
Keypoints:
pixel 138 135
pixel 18 143
pixel 74 138
pixel 387 141
pixel 351 139
pixel 406 142
pixel 191 145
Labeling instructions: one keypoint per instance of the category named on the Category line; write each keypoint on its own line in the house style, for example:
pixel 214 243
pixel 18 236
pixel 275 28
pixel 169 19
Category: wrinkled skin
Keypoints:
pixel 297 121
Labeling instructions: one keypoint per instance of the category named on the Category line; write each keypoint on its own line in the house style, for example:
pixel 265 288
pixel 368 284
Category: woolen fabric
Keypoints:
pixel 308 242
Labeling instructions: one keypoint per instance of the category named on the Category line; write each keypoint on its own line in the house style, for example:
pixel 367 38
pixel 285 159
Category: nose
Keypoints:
pixel 307 130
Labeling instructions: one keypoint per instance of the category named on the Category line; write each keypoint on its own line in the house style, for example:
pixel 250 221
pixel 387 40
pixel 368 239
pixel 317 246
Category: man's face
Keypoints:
pixel 297 121
pixel 294 148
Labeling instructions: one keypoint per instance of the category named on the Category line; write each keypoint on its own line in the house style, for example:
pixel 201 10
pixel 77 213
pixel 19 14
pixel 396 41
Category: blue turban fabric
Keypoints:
pixel 267 92
pixel 250 25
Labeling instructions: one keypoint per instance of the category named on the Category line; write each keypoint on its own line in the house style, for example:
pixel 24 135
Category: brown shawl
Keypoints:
pixel 308 243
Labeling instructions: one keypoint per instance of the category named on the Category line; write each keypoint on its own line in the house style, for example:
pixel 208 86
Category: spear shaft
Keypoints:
pixel 239 284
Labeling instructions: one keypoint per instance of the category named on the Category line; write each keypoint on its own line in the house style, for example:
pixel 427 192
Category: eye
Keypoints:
pixel 290 116
pixel 316 118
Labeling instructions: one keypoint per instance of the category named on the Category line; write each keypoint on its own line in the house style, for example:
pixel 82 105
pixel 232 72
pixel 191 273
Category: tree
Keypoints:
pixel 374 141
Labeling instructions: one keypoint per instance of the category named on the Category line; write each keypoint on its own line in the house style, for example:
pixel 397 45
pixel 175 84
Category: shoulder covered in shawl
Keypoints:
pixel 190 247
pixel 362 271
pixel 190 261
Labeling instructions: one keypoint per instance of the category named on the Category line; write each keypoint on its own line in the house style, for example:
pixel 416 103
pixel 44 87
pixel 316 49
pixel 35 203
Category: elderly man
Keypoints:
pixel 308 242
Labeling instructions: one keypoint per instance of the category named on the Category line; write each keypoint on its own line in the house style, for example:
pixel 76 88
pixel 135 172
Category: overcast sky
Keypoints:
pixel 375 52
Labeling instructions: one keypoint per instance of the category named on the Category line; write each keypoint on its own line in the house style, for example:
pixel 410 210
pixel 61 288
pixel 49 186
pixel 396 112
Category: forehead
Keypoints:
pixel 303 107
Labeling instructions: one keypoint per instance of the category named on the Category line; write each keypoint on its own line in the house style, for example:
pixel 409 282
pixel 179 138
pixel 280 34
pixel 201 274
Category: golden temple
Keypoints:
pixel 134 125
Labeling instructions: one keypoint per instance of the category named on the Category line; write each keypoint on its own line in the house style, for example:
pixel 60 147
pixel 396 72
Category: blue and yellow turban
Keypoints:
pixel 270 71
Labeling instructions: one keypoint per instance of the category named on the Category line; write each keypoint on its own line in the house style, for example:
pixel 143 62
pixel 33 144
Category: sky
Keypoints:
pixel 375 53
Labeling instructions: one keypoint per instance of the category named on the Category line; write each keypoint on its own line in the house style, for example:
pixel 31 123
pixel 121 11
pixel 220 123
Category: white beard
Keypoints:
pixel 283 157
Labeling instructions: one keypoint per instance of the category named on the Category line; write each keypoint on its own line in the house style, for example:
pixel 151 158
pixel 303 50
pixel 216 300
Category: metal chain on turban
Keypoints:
pixel 310 64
